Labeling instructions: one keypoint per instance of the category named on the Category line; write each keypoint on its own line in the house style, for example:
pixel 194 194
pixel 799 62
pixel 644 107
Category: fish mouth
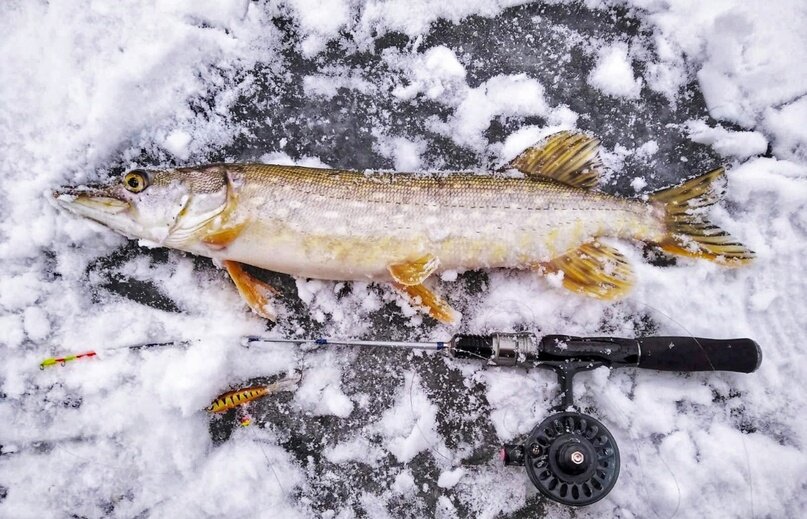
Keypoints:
pixel 98 204
pixel 89 201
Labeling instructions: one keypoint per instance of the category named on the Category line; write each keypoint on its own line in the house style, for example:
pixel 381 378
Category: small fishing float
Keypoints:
pixel 61 361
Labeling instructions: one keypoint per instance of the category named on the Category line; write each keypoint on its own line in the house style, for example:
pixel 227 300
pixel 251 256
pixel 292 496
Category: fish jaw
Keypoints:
pixel 102 204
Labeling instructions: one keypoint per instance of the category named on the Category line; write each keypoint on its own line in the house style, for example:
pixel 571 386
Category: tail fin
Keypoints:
pixel 689 233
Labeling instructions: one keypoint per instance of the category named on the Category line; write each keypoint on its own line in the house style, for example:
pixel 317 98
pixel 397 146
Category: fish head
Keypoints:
pixel 164 207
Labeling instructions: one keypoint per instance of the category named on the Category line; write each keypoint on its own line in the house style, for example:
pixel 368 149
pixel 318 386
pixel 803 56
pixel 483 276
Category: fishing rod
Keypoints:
pixel 571 457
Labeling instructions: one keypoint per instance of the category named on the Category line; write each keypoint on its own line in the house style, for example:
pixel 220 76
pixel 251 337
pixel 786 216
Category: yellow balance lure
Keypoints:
pixel 238 397
pixel 404 228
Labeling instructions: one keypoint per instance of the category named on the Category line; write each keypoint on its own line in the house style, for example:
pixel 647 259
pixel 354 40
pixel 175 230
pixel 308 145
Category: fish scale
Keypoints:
pixel 463 219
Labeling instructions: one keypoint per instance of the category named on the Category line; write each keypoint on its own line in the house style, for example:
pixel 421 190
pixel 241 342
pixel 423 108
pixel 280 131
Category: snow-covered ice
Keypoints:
pixel 674 87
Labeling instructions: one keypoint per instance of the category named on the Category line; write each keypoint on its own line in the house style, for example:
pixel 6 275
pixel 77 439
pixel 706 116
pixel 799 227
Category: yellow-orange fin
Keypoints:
pixel 689 232
pixel 568 157
pixel 414 272
pixel 422 297
pixel 257 294
pixel 221 238
pixel 594 269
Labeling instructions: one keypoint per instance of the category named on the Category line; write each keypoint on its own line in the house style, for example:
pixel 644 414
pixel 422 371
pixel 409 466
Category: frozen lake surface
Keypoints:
pixel 673 89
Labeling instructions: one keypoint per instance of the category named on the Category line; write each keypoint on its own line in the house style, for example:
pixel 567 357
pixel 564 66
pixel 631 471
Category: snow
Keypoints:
pixel 410 426
pixel 449 478
pixel 359 449
pixel 177 142
pixel 740 144
pixel 89 90
pixel 613 73
pixel 404 483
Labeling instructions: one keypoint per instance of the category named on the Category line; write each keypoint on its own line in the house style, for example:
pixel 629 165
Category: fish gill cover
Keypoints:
pixel 673 88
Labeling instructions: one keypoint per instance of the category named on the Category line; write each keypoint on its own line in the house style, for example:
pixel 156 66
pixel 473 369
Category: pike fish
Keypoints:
pixel 403 228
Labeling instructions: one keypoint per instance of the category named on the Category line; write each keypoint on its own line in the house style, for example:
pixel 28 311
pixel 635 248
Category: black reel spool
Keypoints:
pixel 572 458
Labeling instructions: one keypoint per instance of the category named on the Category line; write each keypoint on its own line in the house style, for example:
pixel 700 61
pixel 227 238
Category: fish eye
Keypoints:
pixel 135 181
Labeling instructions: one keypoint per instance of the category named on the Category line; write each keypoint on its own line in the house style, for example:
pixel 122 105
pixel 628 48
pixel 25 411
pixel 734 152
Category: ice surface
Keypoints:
pixel 672 87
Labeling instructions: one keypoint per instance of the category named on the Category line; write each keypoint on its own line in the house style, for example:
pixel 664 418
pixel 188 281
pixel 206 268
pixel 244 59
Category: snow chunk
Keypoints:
pixel 449 275
pixel 788 124
pixel 739 144
pixel 437 73
pixel 37 325
pixel 647 149
pixel 320 21
pixel 12 330
pixel 450 478
pixel 638 183
pixel 500 95
pixel 613 73
pixel 177 142
pixel 404 483
pixel 405 152
pixel 358 449
pixel 320 392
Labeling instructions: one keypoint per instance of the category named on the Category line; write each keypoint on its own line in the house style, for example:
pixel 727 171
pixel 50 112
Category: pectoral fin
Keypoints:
pixel 422 297
pixel 594 269
pixel 257 294
pixel 416 271
pixel 221 238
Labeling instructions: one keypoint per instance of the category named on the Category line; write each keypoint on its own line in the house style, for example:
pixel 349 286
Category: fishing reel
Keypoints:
pixel 571 457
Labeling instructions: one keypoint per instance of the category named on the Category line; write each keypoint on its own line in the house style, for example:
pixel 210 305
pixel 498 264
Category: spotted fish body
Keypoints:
pixel 345 225
pixel 542 214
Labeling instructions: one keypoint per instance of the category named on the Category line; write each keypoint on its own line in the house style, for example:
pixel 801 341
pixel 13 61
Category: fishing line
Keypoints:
pixel 255 439
pixel 634 440
pixel 431 446
pixel 302 368
pixel 642 483
pixel 566 356
pixel 684 328
pixel 742 436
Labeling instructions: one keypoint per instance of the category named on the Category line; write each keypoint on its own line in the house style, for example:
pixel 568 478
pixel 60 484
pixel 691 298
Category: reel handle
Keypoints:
pixel 698 354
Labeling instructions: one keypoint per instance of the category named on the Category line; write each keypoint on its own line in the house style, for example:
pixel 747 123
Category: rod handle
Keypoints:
pixel 699 354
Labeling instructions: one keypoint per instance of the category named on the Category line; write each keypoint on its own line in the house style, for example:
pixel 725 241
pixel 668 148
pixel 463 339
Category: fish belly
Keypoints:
pixel 357 230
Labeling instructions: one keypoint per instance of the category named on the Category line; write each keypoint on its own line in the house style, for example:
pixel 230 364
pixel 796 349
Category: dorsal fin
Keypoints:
pixel 568 157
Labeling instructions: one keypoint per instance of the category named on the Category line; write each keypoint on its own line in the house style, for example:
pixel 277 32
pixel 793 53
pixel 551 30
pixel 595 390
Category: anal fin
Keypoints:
pixel 257 294
pixel 422 297
pixel 594 269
